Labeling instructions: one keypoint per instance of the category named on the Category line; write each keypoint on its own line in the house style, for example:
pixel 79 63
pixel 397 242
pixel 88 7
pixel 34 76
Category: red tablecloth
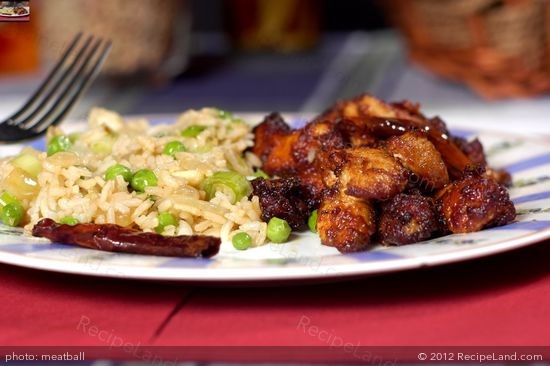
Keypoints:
pixel 500 300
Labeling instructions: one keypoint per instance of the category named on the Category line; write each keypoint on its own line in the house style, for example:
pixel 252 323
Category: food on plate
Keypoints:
pixel 361 173
pixel 379 172
pixel 115 238
pixel 11 11
pixel 187 178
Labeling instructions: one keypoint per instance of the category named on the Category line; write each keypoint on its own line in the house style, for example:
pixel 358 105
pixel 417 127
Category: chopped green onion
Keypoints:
pixel 173 147
pixel 143 178
pixel 69 220
pixel 118 169
pixel 224 114
pixel 193 131
pixel 278 230
pixel 260 174
pixel 165 219
pixel 12 214
pixel 202 149
pixel 103 147
pixel 241 241
pixel 312 221
pixel 58 144
pixel 74 136
pixel 28 163
pixel 234 185
pixel 6 198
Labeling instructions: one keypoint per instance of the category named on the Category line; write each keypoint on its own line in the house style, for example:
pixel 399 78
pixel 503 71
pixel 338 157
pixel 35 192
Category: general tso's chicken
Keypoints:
pixel 407 218
pixel 284 198
pixel 367 173
pixel 473 203
pixel 474 150
pixel 345 222
pixel 364 153
pixel 290 153
pixel 416 153
pixel 273 144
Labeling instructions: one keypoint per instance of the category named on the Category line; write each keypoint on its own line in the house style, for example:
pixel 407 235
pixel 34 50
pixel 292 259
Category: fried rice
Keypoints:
pixel 72 183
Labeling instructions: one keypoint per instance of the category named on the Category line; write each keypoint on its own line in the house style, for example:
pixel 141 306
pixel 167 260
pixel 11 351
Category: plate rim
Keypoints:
pixel 286 273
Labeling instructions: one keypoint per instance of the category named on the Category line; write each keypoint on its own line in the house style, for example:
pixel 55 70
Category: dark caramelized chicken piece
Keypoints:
pixel 407 219
pixel 273 144
pixel 345 222
pixel 474 150
pixel 368 173
pixel 473 203
pixel 416 153
pixel 285 198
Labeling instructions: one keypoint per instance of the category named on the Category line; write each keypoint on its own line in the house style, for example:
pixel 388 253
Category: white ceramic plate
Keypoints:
pixel 16 15
pixel 528 159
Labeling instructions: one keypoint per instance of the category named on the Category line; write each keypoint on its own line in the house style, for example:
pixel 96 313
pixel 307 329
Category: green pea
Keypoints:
pixel 260 174
pixel 58 144
pixel 241 241
pixel 312 221
pixel 173 147
pixel 165 219
pixel 278 230
pixel 193 131
pixel 143 178
pixel 118 169
pixel 69 220
pixel 12 214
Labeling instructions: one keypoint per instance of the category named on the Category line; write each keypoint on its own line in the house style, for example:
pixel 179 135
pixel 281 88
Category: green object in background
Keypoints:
pixel 118 169
pixel 193 131
pixel 165 219
pixel 58 144
pixel 241 241
pixel 173 147
pixel 143 178
pixel 312 221
pixel 278 230
pixel 12 214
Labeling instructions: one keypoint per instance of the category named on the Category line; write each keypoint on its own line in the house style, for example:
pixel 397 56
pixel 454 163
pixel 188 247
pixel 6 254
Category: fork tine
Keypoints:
pixel 77 87
pixel 29 119
pixel 43 86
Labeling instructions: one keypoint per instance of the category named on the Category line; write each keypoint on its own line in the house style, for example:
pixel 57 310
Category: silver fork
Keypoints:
pixel 63 86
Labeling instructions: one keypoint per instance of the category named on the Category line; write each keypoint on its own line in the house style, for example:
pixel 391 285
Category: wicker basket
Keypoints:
pixel 500 48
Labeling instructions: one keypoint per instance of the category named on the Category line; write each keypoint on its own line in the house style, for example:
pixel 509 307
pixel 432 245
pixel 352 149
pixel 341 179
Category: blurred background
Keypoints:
pixel 475 62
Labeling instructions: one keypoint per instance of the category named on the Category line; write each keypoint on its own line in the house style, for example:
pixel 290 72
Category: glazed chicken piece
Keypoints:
pixel 291 153
pixel 474 150
pixel 416 153
pixel 407 218
pixel 366 173
pixel 284 198
pixel 473 203
pixel 273 144
pixel 345 222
